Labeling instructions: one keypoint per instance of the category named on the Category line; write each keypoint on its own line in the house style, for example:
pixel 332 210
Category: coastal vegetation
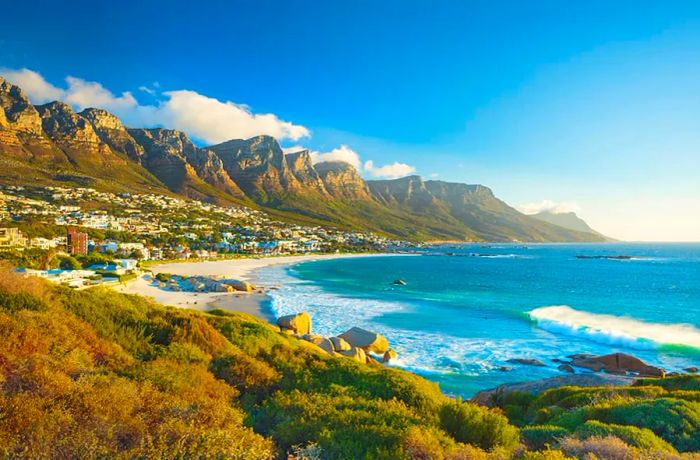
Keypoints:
pixel 93 373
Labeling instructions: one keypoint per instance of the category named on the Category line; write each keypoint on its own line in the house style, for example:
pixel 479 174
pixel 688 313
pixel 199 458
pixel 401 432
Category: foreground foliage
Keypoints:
pixel 95 374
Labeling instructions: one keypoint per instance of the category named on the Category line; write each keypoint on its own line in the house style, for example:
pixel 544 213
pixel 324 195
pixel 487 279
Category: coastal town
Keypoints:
pixel 84 237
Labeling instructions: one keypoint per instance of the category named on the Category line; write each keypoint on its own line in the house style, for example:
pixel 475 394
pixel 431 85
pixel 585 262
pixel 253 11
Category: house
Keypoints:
pixel 11 238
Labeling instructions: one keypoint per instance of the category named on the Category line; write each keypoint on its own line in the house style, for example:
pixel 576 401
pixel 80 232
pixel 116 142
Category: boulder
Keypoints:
pixel 356 353
pixel 340 344
pixel 566 368
pixel 619 363
pixel 527 361
pixel 321 342
pixel 300 323
pixel 389 355
pixel 241 285
pixel 369 341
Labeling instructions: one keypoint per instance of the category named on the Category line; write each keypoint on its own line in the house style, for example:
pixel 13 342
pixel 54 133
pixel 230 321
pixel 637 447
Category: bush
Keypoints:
pixel 608 448
pixel 68 263
pixel 638 437
pixel 163 277
pixel 673 420
pixel 477 425
pixel 538 437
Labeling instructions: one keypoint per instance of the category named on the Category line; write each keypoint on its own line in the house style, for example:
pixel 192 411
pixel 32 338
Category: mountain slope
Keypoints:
pixel 471 211
pixel 52 145
pixel 567 220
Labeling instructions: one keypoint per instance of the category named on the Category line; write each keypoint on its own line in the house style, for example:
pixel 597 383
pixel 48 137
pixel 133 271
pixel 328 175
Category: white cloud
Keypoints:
pixel 37 88
pixel 342 153
pixel 348 155
pixel 202 117
pixel 390 171
pixel 214 121
pixel 83 94
pixel 555 207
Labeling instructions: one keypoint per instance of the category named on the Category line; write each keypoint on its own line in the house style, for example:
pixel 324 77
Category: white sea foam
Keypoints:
pixel 614 330
pixel 420 351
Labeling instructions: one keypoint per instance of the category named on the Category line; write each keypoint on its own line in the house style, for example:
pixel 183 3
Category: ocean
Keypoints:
pixel 467 309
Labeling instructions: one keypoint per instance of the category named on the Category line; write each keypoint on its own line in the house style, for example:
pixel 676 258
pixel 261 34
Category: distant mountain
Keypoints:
pixel 567 220
pixel 469 211
pixel 52 145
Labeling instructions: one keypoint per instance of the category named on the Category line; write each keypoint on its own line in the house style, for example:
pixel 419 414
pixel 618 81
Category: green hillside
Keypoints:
pixel 96 374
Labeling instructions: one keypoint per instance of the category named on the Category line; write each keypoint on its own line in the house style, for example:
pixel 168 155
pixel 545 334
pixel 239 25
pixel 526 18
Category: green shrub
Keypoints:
pixel 689 382
pixel 21 301
pixel 642 438
pixel 673 420
pixel 163 277
pixel 477 425
pixel 538 437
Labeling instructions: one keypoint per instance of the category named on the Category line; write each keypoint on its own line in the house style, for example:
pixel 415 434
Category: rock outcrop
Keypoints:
pixel 619 363
pixel 389 355
pixel 111 130
pixel 356 353
pixel 342 181
pixel 489 397
pixel 322 342
pixel 367 340
pixel 340 344
pixel 299 323
pixel 259 167
pixel 303 169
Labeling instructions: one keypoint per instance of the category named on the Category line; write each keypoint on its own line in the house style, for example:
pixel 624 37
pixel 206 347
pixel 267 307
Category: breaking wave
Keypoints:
pixel 615 330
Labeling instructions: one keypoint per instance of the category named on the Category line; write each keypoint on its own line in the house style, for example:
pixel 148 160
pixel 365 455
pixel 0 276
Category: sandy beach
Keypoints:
pixel 254 303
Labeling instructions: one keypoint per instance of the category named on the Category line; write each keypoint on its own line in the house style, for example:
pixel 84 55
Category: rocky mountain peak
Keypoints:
pixel 303 169
pixel 112 132
pixel 17 112
pixel 342 180
pixel 102 120
pixel 62 124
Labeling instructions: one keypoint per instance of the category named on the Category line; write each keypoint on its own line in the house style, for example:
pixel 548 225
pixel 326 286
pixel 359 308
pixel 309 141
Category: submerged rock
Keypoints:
pixel 369 341
pixel 566 368
pixel 692 369
pixel 299 323
pixel 527 361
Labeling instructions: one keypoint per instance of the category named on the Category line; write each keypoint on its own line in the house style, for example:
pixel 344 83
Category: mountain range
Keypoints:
pixel 51 144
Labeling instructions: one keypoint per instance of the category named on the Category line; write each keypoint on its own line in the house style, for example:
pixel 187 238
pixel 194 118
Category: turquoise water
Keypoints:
pixel 467 309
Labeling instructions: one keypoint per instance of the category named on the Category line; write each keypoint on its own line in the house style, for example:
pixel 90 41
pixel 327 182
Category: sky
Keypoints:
pixel 592 107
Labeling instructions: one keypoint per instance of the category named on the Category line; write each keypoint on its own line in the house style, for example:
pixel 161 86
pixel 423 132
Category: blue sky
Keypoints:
pixel 591 106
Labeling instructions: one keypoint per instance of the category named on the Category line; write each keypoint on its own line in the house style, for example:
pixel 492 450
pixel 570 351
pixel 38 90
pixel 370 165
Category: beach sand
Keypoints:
pixel 255 303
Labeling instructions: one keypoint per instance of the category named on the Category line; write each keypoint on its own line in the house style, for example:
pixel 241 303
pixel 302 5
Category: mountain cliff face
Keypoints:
pixel 21 134
pixel 303 170
pixel 259 167
pixel 51 144
pixel 110 129
pixel 171 157
pixel 342 181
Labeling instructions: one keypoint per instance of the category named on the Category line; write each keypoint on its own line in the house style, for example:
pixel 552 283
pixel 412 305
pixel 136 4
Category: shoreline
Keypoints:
pixel 255 303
